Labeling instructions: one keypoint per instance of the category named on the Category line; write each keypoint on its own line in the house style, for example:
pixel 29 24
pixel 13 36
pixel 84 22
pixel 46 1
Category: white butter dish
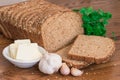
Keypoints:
pixel 20 63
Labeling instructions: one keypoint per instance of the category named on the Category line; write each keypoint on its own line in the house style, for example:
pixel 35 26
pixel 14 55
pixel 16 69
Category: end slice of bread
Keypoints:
pixel 92 49
pixel 71 63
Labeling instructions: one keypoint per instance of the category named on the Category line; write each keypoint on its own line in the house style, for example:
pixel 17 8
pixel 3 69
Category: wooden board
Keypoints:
pixel 107 71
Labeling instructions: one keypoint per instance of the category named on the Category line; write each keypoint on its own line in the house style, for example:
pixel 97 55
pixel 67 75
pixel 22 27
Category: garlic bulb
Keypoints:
pixel 65 70
pixel 50 63
pixel 76 72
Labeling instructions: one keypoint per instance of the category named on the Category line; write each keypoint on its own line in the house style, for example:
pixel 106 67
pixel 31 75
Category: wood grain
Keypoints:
pixel 107 71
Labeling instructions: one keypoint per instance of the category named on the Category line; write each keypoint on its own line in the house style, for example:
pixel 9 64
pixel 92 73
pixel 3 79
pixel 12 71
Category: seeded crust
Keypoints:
pixel 4 29
pixel 31 19
pixel 8 14
pixel 104 51
pixel 71 63
pixel 20 11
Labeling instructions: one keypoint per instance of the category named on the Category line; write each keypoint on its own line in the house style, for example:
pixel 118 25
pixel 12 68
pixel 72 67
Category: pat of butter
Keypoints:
pixel 23 41
pixel 28 52
pixel 14 46
pixel 13 50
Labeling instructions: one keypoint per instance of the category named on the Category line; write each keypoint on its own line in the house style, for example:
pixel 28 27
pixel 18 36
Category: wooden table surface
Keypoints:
pixel 107 71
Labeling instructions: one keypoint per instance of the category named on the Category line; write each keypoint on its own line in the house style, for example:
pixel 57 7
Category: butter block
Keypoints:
pixel 13 50
pixel 28 52
pixel 22 41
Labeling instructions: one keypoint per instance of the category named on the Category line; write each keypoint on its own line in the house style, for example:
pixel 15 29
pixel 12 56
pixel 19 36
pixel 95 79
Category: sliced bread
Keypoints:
pixel 41 22
pixel 92 49
pixel 71 63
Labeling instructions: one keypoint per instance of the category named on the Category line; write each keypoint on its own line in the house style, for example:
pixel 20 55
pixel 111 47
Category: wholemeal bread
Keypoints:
pixel 51 26
pixel 92 49
pixel 71 63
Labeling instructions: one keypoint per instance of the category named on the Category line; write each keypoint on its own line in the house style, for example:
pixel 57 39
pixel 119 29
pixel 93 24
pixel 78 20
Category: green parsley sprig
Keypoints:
pixel 94 21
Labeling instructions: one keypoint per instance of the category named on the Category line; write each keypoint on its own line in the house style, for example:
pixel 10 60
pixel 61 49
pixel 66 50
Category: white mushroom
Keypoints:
pixel 50 63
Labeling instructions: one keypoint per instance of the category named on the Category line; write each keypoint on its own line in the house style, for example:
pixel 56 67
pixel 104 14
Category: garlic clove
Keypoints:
pixel 76 72
pixel 65 70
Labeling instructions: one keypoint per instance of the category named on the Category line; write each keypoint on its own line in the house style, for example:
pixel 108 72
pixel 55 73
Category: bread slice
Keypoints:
pixel 45 23
pixel 92 49
pixel 71 63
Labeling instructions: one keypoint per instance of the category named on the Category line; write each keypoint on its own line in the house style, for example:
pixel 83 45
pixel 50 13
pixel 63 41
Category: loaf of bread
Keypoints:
pixel 70 62
pixel 92 49
pixel 51 26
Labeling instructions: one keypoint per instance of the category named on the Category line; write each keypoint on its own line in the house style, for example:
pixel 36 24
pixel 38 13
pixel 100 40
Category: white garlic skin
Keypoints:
pixel 76 72
pixel 50 63
pixel 65 70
